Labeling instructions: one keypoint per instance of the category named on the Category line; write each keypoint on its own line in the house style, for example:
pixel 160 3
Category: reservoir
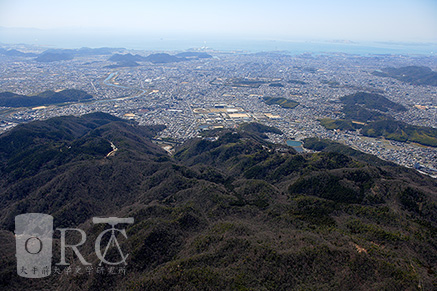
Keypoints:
pixel 297 145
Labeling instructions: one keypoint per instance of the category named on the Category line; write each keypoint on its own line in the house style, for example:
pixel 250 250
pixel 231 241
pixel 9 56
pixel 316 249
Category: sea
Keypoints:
pixel 234 44
pixel 291 47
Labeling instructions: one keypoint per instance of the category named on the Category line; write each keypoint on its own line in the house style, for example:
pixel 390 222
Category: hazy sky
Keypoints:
pixel 389 20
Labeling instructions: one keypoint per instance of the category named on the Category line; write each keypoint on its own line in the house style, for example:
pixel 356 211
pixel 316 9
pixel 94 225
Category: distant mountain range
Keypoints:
pixel 8 99
pixel 227 211
pixel 162 58
pixel 123 60
pixel 15 53
pixel 55 55
pixel 48 57
pixel 194 55
pixel 126 58
pixel 129 60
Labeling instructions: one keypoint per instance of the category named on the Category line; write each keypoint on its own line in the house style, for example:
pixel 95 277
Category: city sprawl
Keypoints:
pixel 228 89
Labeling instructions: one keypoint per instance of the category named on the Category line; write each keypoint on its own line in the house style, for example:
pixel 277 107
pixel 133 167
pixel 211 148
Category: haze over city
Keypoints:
pixel 123 22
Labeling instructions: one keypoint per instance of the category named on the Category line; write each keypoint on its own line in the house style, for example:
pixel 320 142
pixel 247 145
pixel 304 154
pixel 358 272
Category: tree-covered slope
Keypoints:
pixel 366 111
pixel 401 131
pixel 229 211
pixel 8 99
pixel 412 74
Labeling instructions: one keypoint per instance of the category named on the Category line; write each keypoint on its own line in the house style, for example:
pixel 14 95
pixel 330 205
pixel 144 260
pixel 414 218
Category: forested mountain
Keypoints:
pixel 412 74
pixel 372 101
pixel 129 60
pixel 15 53
pixel 48 57
pixel 229 211
pixel 9 99
pixel 368 112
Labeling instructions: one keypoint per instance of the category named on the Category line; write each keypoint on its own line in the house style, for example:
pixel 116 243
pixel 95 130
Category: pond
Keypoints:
pixel 297 145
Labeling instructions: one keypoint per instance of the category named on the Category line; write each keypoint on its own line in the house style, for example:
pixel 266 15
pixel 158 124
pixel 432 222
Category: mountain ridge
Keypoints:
pixel 9 99
pixel 227 211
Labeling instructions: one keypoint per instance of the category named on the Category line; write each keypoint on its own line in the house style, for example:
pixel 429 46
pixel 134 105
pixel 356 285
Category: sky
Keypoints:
pixel 356 20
